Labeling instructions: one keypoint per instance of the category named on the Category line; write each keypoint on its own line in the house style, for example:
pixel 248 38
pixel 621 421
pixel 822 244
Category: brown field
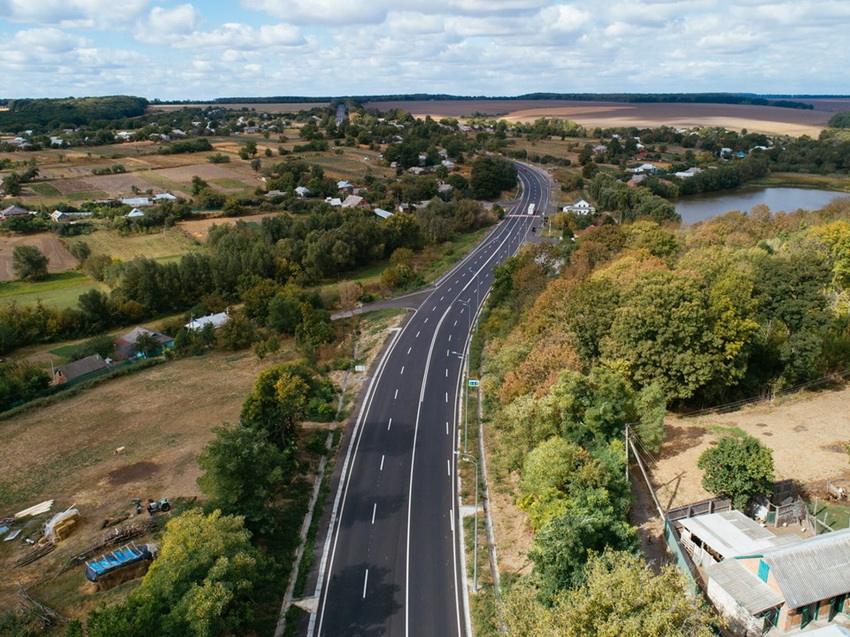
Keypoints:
pixel 48 243
pixel 767 119
pixel 199 228
pixel 806 433
pixel 163 417
pixel 206 171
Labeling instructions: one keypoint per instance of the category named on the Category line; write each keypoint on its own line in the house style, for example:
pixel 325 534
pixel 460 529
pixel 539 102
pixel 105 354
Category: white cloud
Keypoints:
pixel 73 13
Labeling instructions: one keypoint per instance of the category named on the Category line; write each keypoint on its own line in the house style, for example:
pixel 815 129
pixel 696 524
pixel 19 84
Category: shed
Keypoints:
pixel 78 369
pixel 383 214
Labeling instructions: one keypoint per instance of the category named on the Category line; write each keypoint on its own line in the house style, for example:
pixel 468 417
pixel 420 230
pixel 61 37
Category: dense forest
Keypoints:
pixel 69 112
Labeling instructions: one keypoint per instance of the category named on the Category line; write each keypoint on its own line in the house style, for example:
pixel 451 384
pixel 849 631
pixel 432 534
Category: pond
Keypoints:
pixel 701 207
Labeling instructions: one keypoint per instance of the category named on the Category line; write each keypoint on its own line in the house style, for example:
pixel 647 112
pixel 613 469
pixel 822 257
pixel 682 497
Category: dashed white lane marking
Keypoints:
pixel 447 396
pixel 426 320
pixel 417 334
pixel 408 349
pixel 389 424
pixel 448 470
pixel 366 579
pixel 374 510
pixel 396 394
pixel 435 307
pixel 447 427
pixel 455 322
pixel 450 338
pixel 451 523
pixel 382 460
pixel 447 373
pixel 402 370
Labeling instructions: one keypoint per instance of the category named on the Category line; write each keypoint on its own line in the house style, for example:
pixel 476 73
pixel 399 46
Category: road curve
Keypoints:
pixel 391 563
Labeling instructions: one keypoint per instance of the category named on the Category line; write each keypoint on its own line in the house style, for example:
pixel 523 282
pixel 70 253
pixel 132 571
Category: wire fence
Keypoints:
pixel 830 379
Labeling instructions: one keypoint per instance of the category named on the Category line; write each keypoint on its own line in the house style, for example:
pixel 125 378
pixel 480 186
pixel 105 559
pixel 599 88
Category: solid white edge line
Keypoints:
pixel 329 550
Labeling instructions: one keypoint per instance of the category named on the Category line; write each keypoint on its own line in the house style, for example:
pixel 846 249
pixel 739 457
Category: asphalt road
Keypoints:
pixel 391 564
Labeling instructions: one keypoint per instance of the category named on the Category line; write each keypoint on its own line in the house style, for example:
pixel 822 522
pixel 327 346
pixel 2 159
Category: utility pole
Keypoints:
pixel 627 452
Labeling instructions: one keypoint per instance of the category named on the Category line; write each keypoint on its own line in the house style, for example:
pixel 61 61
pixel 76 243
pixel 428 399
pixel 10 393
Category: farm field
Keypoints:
pixel 59 290
pixel 806 432
pixel 169 242
pixel 766 119
pixel 48 243
pixel 163 416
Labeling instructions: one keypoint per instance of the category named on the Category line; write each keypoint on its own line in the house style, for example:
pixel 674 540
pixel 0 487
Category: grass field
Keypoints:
pixel 59 290
pixel 44 189
pixel 171 242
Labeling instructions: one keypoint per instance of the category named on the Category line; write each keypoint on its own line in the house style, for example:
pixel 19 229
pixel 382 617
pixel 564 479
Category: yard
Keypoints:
pixel 163 416
pixel 48 243
pixel 806 432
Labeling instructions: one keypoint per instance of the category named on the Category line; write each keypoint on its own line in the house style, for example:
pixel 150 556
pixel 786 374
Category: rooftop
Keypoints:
pixel 731 533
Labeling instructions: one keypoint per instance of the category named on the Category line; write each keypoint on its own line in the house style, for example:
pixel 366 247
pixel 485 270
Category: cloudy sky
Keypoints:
pixel 213 48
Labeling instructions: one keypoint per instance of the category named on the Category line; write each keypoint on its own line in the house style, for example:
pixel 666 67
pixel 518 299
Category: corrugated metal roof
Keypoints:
pixel 731 533
pixel 747 589
pixel 812 569
pixel 833 630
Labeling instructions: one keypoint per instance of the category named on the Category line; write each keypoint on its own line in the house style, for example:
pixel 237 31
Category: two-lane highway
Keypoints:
pixel 391 564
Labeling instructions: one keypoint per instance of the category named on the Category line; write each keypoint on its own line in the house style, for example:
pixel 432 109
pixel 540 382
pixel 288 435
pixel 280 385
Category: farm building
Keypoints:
pixel 580 207
pixel 79 369
pixel 125 346
pixel 13 211
pixel 68 217
pixel 216 320
pixel 761 582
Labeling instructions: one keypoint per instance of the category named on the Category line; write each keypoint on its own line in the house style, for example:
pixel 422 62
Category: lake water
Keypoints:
pixel 701 207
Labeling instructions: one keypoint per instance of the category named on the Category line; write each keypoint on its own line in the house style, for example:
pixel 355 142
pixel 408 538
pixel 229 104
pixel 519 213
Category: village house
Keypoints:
pixel 690 172
pixel 354 201
pixel 137 202
pixel 125 346
pixel 580 207
pixel 302 191
pixel 68 217
pixel 764 583
pixel 14 211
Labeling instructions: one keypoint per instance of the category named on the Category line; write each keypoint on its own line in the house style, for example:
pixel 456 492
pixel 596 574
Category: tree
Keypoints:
pixel 738 467
pixel 561 548
pixel 280 397
pixel 491 175
pixel 243 472
pixel 29 263
pixel 200 584
pixel 147 344
pixel 620 595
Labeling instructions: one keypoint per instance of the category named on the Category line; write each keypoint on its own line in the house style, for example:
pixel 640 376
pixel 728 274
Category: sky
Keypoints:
pixel 173 50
